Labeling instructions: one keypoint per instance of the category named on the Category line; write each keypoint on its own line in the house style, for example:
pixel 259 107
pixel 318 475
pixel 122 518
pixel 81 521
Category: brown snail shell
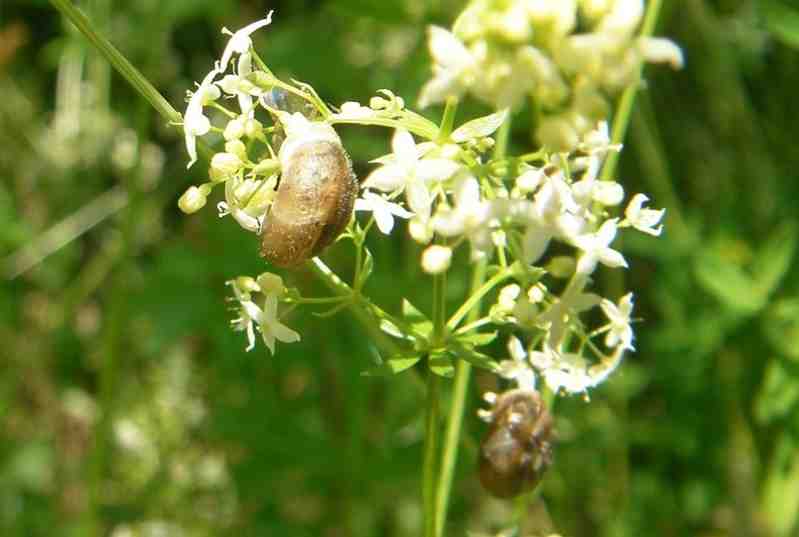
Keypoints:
pixel 314 199
pixel 517 449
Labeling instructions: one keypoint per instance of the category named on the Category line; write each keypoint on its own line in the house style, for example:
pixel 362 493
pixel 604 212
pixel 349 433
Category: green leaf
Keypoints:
pixel 782 21
pixel 441 364
pixel 477 359
pixel 780 495
pixel 392 366
pixel 368 265
pixel 418 321
pixel 480 127
pixel 779 393
pixel 476 339
pixel 728 283
pixel 781 326
pixel 774 259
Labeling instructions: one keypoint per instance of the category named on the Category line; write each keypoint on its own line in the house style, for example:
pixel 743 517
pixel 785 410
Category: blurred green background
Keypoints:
pixel 128 406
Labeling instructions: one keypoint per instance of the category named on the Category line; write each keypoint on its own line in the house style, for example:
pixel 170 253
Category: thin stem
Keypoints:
pixel 449 454
pixel 360 307
pixel 118 61
pixel 448 120
pixel 429 465
pixel 476 296
pixel 625 107
pixel 133 76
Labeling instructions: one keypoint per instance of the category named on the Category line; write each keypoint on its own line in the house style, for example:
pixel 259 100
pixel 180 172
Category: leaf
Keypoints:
pixel 477 339
pixel 728 283
pixel 781 326
pixel 477 359
pixel 779 393
pixel 782 21
pixel 441 364
pixel 480 127
pixel 774 259
pixel 418 321
pixel 781 486
pixel 368 265
pixel 394 365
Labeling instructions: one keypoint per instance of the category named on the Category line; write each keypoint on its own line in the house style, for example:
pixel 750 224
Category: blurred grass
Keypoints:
pixel 127 402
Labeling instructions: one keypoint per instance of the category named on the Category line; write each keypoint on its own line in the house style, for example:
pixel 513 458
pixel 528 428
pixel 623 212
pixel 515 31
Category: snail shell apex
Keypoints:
pixel 314 199
pixel 517 449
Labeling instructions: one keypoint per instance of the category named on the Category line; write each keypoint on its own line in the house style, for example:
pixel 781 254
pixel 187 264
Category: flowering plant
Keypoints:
pixel 537 225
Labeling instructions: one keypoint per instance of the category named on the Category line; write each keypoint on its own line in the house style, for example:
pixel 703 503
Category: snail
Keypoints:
pixel 517 448
pixel 315 196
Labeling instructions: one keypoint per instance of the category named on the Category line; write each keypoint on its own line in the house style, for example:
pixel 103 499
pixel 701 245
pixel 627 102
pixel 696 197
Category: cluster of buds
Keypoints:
pixel 568 56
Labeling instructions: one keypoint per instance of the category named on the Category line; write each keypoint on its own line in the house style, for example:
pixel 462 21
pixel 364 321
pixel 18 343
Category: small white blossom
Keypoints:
pixel 383 210
pixel 240 41
pixel 596 248
pixel 252 317
pixel 469 218
pixel 454 67
pixel 195 123
pixel 404 170
pixel 436 259
pixel 620 332
pixel 557 318
pixel 642 219
pixel 518 368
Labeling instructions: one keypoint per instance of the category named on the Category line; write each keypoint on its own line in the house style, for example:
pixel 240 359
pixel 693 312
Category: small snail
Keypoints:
pixel 315 197
pixel 517 448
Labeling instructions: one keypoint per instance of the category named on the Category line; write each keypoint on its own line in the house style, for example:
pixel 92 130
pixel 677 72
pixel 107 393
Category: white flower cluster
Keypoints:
pixel 568 56
pixel 561 201
pixel 508 209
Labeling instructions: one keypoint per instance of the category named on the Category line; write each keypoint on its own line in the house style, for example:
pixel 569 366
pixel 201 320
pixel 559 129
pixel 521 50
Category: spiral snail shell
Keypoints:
pixel 314 199
pixel 517 448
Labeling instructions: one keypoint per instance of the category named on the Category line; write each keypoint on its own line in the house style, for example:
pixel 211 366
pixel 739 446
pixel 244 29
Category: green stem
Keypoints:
pixel 448 120
pixel 116 59
pixel 625 107
pixel 449 455
pixel 360 307
pixel 430 454
pixel 477 296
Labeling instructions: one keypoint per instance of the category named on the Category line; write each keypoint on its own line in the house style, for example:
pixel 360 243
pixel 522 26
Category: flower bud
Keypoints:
pixel 192 200
pixel 234 129
pixel 237 147
pixel 253 128
pixel 436 259
pixel 225 164
pixel 271 284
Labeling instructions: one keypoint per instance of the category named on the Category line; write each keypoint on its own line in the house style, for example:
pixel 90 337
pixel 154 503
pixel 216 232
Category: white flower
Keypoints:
pixel 596 248
pixel 195 123
pixel 641 219
pixel 555 319
pixel 247 201
pixel 436 259
pixel 469 218
pixel 252 316
pixel 383 210
pixel 403 170
pixel 518 368
pixel 240 41
pixel 563 371
pixel 620 332
pixel 453 68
